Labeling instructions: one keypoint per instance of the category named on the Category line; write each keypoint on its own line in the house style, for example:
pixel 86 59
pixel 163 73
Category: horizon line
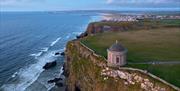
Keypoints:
pixel 148 10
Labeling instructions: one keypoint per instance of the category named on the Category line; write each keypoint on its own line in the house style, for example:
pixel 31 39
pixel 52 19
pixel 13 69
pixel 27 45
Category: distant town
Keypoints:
pixel 118 17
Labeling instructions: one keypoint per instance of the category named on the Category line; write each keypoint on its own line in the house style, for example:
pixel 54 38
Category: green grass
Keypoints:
pixel 167 72
pixel 141 24
pixel 164 22
pixel 88 75
pixel 170 22
pixel 143 45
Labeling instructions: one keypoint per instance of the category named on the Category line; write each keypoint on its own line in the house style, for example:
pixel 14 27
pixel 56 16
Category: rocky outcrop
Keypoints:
pixel 49 65
pixel 59 84
pixel 54 80
pixel 87 71
pixel 62 54
pixel 57 53
pixel 94 28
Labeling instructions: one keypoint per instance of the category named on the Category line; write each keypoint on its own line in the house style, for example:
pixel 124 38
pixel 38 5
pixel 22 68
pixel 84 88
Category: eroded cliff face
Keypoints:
pixel 99 27
pixel 86 71
pixel 82 68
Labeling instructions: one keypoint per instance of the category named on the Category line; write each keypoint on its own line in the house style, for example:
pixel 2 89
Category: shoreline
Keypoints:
pixel 63 78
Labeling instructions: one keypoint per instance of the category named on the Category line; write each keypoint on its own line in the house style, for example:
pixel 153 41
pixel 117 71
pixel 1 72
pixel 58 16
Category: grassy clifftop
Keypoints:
pixel 85 73
pixel 97 27
pixel 160 44
pixel 150 41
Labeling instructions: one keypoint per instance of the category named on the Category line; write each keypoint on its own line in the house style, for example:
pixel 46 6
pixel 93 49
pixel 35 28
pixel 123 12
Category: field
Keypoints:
pixel 162 44
pixel 143 45
pixel 143 24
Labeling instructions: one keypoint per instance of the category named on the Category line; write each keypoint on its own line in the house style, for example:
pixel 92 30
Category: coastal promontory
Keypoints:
pixel 86 66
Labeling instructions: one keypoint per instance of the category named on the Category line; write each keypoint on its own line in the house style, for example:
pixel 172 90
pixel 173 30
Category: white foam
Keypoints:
pixel 67 37
pixel 29 74
pixel 14 75
pixel 76 33
pixel 54 42
pixel 45 49
pixel 49 88
pixel 36 54
pixel 61 70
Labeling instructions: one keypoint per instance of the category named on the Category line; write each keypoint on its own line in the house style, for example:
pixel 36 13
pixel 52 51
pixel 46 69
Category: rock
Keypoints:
pixel 63 67
pixel 143 86
pixel 146 80
pixel 59 84
pixel 49 65
pixel 82 35
pixel 63 73
pixel 77 88
pixel 55 80
pixel 57 53
pixel 126 83
pixel 63 54
pixel 78 37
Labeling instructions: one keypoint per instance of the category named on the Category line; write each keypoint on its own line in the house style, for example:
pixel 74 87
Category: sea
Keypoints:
pixel 28 40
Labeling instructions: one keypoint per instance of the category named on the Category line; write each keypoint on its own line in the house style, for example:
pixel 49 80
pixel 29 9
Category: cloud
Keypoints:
pixel 145 3
pixel 18 2
pixel 109 1
pixel 142 1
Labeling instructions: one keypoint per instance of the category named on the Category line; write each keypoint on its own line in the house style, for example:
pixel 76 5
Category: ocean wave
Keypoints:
pixel 14 75
pixel 36 54
pixel 76 33
pixel 45 49
pixel 54 42
pixel 28 75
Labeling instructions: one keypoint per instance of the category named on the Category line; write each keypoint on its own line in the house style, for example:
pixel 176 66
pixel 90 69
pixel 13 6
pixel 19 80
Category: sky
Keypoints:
pixel 61 5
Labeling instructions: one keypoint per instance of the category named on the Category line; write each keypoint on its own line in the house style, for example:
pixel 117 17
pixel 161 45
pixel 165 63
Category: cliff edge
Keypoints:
pixel 86 71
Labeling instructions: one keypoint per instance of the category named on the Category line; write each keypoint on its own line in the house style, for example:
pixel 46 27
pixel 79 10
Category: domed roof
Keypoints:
pixel 117 47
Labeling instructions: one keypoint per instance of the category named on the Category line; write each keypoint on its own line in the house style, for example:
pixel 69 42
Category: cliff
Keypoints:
pixel 87 71
pixel 103 26
pixel 99 27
